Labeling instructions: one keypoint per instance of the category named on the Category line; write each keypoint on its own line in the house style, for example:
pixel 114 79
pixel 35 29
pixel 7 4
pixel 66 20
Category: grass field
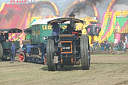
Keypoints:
pixel 105 70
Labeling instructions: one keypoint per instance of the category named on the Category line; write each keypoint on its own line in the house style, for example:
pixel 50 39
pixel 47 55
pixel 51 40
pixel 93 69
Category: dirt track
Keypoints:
pixel 105 70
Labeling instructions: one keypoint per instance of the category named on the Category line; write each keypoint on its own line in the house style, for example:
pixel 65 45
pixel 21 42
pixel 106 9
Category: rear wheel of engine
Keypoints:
pixel 50 55
pixel 1 52
pixel 85 52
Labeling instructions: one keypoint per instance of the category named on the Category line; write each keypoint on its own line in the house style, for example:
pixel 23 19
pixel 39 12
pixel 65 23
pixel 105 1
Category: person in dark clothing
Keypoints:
pixel 97 45
pixel 28 50
pixel 55 29
pixel 70 29
pixel 13 52
pixel 102 46
pixel 94 46
pixel 43 51
pixel 120 45
pixel 107 44
pixel 6 36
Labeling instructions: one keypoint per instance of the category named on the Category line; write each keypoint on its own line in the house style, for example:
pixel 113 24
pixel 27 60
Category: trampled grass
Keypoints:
pixel 104 70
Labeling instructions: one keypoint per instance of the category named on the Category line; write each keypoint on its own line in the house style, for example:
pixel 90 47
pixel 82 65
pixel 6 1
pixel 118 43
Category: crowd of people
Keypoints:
pixel 107 46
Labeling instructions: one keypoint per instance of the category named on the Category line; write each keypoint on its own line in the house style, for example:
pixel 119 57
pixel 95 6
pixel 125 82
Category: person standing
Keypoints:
pixel 13 52
pixel 94 46
pixel 124 46
pixel 97 45
pixel 102 46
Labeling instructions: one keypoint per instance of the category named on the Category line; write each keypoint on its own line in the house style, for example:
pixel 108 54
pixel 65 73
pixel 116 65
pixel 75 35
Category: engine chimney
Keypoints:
pixel 72 15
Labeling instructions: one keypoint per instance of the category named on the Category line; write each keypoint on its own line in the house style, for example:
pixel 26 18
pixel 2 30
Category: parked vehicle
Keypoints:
pixel 5 43
pixel 34 47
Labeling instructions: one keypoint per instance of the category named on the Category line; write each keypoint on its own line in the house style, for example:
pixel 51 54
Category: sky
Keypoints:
pixel 3 1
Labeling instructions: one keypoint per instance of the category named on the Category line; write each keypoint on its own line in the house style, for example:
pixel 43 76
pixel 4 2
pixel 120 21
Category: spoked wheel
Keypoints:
pixel 50 55
pixel 85 52
pixel 21 57
pixel 1 52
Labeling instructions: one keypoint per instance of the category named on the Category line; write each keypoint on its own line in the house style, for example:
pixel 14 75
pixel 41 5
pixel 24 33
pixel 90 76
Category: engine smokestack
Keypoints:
pixel 72 15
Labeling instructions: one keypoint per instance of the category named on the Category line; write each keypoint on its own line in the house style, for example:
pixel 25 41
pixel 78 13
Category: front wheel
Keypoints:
pixel 85 52
pixel 50 55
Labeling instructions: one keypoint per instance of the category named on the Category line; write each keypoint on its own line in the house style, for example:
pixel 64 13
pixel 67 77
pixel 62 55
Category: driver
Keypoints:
pixel 55 28
pixel 69 29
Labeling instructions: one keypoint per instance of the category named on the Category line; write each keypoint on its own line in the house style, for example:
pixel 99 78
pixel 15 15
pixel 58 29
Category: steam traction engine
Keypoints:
pixel 34 48
pixel 67 46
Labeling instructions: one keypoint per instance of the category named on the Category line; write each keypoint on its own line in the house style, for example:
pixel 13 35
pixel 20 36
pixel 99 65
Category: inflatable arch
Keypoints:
pixel 46 2
pixel 111 5
pixel 30 14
